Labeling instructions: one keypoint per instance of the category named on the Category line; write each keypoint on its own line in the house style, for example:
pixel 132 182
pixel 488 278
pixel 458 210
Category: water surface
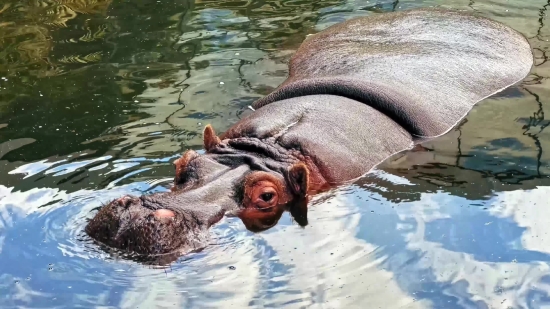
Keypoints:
pixel 98 97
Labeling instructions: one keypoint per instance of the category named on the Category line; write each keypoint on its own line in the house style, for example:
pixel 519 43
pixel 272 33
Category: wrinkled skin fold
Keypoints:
pixel 357 93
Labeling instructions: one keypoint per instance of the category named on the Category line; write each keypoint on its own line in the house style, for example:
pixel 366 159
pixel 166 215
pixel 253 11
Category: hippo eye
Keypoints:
pixel 266 197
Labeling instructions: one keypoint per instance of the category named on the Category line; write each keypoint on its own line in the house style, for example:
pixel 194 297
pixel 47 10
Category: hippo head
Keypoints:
pixel 257 189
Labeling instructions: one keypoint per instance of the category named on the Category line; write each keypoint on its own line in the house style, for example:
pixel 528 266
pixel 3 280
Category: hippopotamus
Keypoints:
pixel 357 93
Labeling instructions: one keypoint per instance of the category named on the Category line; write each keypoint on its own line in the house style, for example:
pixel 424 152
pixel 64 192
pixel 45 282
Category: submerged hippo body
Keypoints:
pixel 357 93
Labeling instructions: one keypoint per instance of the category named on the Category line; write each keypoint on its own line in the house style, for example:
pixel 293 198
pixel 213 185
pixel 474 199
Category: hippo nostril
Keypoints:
pixel 164 215
pixel 124 201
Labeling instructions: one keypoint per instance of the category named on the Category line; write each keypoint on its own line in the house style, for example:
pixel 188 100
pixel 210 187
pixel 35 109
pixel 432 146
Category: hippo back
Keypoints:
pixel 423 68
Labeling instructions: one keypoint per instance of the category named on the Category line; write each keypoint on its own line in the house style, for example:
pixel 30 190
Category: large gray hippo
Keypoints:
pixel 357 93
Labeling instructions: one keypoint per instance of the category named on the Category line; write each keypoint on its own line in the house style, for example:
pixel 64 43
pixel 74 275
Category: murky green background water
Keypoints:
pixel 98 96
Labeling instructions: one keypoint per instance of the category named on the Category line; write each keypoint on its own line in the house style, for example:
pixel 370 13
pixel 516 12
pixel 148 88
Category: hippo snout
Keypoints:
pixel 150 225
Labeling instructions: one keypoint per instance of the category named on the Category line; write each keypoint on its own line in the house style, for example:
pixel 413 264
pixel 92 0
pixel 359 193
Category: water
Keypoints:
pixel 97 97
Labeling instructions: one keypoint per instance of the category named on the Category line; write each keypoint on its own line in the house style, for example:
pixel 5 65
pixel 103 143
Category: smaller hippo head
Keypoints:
pixel 256 189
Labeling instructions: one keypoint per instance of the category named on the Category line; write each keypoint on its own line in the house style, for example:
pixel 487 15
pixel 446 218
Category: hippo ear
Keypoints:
pixel 210 139
pixel 298 178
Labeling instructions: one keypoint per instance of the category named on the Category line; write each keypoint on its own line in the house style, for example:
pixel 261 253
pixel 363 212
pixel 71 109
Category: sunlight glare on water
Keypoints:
pixel 97 98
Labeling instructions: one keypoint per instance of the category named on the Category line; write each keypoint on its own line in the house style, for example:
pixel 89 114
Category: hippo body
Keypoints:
pixel 357 93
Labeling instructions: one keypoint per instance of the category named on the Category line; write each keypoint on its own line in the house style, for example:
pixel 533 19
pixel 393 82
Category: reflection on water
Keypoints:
pixel 98 97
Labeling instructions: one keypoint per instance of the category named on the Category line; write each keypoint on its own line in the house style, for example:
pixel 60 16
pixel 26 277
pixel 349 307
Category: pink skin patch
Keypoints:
pixel 162 214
